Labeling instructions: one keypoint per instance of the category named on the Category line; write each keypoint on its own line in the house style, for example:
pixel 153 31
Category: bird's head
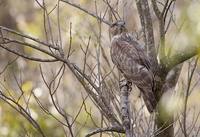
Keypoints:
pixel 117 27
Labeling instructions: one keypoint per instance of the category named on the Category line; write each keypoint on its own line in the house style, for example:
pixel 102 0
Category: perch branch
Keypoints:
pixel 125 88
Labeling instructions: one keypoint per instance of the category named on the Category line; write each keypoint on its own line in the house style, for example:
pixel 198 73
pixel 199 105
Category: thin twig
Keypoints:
pixel 28 37
pixel 108 129
pixel 86 11
pixel 27 57
pixel 187 96
pixel 22 111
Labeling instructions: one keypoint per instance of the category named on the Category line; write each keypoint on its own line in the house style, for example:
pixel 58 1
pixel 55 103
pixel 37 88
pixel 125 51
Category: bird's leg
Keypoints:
pixel 125 82
pixel 129 84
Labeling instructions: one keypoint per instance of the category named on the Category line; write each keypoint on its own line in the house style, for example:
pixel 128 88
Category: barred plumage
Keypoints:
pixel 130 58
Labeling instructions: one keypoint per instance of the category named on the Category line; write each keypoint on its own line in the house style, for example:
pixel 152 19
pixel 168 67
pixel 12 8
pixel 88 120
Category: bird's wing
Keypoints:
pixel 128 53
pixel 134 64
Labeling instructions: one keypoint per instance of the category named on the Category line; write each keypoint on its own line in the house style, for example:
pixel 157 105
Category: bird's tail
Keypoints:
pixel 149 99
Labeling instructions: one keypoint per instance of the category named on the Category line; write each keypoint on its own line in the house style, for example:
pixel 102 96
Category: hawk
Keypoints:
pixel 131 60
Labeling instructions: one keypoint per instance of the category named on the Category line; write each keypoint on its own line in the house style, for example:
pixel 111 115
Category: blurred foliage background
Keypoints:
pixel 23 76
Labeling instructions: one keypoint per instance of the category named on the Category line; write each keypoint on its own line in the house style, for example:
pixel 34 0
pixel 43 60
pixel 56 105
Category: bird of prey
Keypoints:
pixel 131 60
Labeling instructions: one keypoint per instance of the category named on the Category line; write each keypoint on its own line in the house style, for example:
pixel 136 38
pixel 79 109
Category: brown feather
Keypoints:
pixel 130 58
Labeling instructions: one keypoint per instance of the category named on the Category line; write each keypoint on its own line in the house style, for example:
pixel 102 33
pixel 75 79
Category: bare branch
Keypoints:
pixel 156 9
pixel 147 27
pixel 125 88
pixel 28 37
pixel 86 11
pixel 9 63
pixel 45 110
pixel 70 40
pixel 187 96
pixel 179 56
pixel 108 129
pixel 22 111
pixel 27 57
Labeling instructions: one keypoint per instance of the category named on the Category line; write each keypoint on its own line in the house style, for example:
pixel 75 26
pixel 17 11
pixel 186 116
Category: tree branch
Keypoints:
pixel 161 15
pixel 27 57
pixel 26 36
pixel 86 11
pixel 191 74
pixel 125 88
pixel 147 27
pixel 108 129
pixel 156 9
pixel 16 106
pixel 179 56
